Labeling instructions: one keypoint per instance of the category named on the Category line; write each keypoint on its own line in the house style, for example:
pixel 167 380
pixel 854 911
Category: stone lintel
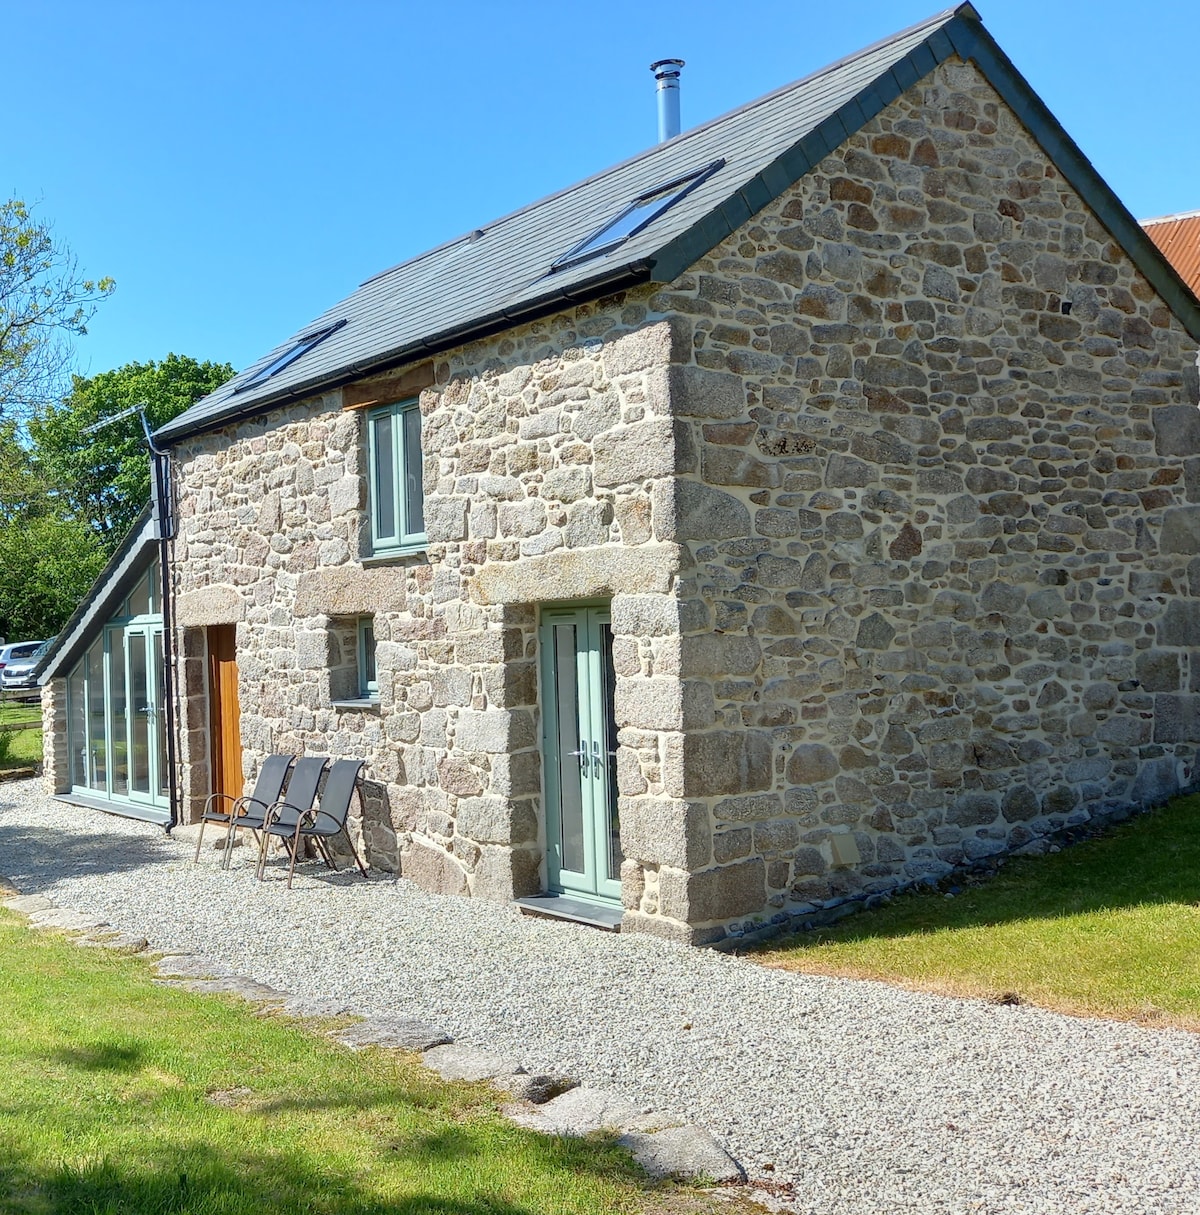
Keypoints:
pixel 388 389
pixel 208 605
pixel 348 590
pixel 584 573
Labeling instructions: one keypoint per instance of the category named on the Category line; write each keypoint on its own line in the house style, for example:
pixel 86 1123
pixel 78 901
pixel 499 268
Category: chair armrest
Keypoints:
pixel 273 811
pixel 212 797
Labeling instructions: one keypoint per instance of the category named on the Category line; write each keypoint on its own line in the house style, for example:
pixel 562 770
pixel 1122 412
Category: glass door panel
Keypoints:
pixel 160 721
pixel 568 755
pixel 610 827
pixel 579 746
pixel 118 715
pixel 96 776
pixel 140 708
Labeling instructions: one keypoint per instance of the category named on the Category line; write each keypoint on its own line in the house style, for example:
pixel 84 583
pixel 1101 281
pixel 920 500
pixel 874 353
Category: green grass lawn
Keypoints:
pixel 120 1097
pixel 1107 927
pixel 24 749
pixel 20 748
pixel 16 710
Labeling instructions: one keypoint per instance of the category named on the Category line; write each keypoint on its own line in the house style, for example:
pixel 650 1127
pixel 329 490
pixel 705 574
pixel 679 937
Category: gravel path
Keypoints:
pixel 868 1098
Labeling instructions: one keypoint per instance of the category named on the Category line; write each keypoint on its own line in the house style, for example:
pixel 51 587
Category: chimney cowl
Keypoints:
pixel 666 72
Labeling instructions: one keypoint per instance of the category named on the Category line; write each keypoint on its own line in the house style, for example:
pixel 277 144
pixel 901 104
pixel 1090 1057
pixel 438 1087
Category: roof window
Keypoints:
pixel 298 348
pixel 640 213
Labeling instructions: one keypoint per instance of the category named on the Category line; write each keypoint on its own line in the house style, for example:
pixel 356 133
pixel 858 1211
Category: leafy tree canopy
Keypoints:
pixel 103 479
pixel 43 299
pixel 47 564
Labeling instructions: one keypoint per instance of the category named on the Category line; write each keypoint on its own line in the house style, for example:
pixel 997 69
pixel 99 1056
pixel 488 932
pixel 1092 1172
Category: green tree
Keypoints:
pixel 103 479
pixel 47 564
pixel 47 560
pixel 43 300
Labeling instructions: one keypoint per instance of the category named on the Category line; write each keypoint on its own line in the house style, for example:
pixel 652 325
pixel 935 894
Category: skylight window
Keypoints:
pixel 640 213
pixel 296 350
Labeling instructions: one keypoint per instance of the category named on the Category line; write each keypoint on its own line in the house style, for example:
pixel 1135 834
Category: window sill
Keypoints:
pixel 395 556
pixel 360 702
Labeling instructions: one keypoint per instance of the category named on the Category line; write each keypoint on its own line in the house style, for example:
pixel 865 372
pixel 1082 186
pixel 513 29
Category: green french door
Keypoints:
pixel 145 737
pixel 579 745
pixel 129 734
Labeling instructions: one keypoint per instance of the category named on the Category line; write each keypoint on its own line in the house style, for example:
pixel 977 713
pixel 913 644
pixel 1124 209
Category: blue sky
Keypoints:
pixel 239 167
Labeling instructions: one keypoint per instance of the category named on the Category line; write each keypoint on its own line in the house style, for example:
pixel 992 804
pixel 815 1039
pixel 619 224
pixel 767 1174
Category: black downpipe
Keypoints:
pixel 163 507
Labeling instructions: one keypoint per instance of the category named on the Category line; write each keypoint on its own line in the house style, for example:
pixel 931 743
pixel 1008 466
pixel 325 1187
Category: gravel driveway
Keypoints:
pixel 867 1098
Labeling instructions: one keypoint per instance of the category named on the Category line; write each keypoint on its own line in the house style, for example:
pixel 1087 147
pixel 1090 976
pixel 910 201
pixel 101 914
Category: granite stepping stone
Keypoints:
pixel 454 1062
pixel 27 904
pixel 191 966
pixel 394 1033
pixel 683 1152
pixel 579 1112
pixel 62 919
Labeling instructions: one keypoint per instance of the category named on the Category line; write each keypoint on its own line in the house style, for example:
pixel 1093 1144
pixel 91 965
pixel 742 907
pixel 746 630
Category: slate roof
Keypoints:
pixel 499 275
pixel 1178 237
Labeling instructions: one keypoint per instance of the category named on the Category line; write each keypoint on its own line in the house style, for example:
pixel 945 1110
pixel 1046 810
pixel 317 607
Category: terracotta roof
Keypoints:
pixel 1178 236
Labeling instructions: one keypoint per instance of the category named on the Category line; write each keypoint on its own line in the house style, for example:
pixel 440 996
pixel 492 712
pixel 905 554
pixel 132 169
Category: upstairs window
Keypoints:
pixel 644 210
pixel 397 495
pixel 289 356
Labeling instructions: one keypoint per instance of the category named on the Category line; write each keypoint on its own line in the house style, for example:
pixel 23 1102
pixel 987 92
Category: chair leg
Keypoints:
pixel 262 856
pixel 230 832
pixel 199 841
pixel 292 862
pixel 324 851
pixel 354 853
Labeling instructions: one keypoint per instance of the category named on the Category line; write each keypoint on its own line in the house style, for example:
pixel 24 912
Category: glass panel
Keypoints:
pixel 160 720
pixel 566 694
pixel 414 494
pixel 368 681
pixel 117 721
pixel 608 744
pixel 77 726
pixel 638 214
pixel 140 709
pixel 384 470
pixel 97 774
pixel 139 599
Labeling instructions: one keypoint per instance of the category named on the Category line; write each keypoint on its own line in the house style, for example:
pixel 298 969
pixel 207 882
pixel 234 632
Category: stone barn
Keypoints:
pixel 807 505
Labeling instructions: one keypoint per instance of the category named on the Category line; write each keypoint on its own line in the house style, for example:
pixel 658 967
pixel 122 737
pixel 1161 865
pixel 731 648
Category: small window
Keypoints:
pixel 368 680
pixel 353 679
pixel 288 357
pixel 397 494
pixel 644 210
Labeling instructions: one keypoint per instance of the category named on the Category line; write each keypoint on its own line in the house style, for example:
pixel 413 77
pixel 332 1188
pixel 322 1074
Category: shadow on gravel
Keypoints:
pixel 34 856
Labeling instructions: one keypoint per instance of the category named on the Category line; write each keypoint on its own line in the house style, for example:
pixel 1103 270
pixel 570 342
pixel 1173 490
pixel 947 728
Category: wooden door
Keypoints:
pixel 224 712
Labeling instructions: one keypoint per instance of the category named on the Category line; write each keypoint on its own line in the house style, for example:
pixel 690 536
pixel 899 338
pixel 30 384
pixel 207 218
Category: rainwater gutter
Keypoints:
pixel 630 275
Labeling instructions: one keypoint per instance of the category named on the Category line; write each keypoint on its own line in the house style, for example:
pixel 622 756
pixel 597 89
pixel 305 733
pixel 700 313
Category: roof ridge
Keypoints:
pixel 1166 219
pixel 931 22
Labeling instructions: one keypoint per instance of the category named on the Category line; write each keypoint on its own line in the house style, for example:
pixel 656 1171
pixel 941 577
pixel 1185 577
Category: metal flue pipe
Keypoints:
pixel 666 72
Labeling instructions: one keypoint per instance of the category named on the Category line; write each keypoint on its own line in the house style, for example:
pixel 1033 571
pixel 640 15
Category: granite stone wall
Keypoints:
pixel 940 523
pixel 543 451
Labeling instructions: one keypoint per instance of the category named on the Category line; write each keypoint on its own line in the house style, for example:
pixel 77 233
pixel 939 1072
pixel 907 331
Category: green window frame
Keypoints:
pixel 397 496
pixel 368 679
